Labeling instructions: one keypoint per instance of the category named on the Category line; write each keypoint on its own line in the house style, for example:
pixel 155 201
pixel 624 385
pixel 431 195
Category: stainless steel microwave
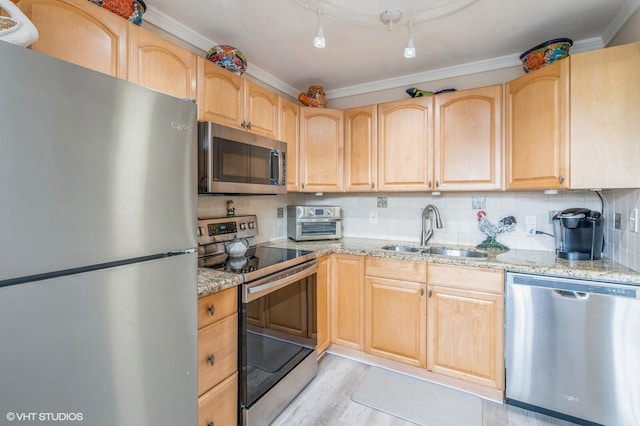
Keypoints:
pixel 233 161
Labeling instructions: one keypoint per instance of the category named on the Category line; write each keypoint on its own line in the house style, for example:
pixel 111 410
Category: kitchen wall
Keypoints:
pixel 401 219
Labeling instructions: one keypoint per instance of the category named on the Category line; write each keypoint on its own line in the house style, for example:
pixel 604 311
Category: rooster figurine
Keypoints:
pixel 506 224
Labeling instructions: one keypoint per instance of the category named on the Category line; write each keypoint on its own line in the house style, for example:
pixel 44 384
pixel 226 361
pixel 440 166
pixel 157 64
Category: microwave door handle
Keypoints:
pixel 274 160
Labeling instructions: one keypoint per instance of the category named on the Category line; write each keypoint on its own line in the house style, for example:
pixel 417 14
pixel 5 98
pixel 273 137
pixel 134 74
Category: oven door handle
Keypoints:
pixel 257 289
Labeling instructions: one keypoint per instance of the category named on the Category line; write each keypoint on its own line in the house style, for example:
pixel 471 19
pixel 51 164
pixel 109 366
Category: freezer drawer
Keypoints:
pixel 117 346
pixel 572 347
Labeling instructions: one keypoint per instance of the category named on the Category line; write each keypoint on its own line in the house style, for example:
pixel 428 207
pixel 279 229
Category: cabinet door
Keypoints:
pixel 321 149
pixel 219 406
pixel 290 133
pixel 468 139
pixel 465 335
pixel 396 320
pixel 160 65
pixel 361 145
pixel 323 316
pixel 605 122
pixel 80 32
pixel 405 145
pixel 220 95
pixel 537 129
pixel 262 109
pixel 217 352
pixel 347 295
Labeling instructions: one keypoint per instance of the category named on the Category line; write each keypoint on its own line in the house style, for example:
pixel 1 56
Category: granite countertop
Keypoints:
pixel 527 261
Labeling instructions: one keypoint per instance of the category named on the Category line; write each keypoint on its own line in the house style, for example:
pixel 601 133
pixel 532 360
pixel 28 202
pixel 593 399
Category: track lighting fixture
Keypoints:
pixel 319 40
pixel 410 50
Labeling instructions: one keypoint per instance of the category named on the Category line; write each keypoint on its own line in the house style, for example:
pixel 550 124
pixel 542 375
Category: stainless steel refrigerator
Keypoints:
pixel 98 268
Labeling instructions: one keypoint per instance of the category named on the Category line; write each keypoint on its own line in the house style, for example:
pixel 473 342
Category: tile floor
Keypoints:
pixel 327 401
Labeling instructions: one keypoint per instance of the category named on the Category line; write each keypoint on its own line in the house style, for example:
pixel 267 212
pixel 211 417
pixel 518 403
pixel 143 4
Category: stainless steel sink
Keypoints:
pixel 441 251
pixel 405 249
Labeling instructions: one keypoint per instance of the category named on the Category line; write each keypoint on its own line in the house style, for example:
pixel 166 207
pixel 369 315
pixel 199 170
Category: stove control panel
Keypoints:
pixel 226 228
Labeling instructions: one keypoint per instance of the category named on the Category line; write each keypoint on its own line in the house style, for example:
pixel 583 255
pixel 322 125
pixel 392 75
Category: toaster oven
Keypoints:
pixel 308 223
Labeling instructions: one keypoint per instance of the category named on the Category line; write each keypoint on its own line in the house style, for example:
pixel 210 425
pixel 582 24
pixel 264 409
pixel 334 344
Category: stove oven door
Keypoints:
pixel 277 341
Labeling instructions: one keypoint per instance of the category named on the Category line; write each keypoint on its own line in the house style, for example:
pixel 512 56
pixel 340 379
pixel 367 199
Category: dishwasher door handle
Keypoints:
pixel 578 295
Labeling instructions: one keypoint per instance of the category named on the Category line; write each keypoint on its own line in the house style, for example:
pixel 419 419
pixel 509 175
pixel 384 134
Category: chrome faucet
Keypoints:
pixel 426 214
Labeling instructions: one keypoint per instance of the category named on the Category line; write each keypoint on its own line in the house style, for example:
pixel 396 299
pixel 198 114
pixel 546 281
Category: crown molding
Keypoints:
pixel 621 18
pixel 170 25
pixel 177 29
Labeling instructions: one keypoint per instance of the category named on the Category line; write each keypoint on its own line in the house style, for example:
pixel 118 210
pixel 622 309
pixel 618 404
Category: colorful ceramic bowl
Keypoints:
pixel 545 53
pixel 228 57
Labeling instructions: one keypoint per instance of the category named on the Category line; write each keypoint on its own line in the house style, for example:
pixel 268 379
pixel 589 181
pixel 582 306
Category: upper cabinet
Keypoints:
pixel 290 133
pixel 468 139
pixel 361 145
pixel 228 99
pixel 537 129
pixel 80 32
pixel 574 124
pixel 321 150
pixel 157 64
pixel 405 145
pixel 605 118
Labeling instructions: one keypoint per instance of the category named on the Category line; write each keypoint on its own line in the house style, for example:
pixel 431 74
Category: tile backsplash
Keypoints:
pixel 400 220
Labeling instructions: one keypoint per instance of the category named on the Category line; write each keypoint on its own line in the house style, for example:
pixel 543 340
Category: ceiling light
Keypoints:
pixel 390 17
pixel 319 40
pixel 410 50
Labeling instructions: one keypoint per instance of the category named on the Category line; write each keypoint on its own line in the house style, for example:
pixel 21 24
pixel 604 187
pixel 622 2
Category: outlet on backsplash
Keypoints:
pixel 382 202
pixel 478 203
pixel 617 220
pixel 280 212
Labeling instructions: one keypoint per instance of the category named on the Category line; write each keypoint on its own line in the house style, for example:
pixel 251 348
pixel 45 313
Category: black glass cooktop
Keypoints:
pixel 258 261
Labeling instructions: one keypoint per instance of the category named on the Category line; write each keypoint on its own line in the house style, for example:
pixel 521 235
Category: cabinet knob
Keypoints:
pixel 212 359
pixel 302 185
pixel 429 183
pixel 248 125
pixel 429 293
pixel 243 124
pixel 372 185
pixel 437 184
pixel 210 424
pixel 421 292
pixel 212 310
pixel 561 178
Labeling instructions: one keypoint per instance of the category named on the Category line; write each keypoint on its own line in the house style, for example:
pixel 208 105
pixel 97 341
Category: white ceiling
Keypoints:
pixel 363 55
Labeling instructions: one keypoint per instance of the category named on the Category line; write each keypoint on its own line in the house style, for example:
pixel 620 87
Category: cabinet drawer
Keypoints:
pixel 219 406
pixel 469 278
pixel 217 306
pixel 217 352
pixel 397 269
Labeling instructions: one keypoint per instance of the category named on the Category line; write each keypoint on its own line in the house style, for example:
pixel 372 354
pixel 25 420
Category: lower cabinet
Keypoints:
pixel 396 310
pixel 218 358
pixel 347 294
pixel 465 325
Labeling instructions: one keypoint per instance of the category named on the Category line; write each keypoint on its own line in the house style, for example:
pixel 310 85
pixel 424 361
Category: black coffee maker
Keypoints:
pixel 579 234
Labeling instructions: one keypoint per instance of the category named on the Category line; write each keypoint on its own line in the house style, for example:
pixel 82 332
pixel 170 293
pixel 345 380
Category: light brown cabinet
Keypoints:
pixel 361 149
pixel 160 65
pixel 290 133
pixel 347 298
pixel 323 304
pixel 465 322
pixel 396 310
pixel 80 32
pixel 231 100
pixel 468 139
pixel 537 129
pixel 218 358
pixel 405 145
pixel 321 150
pixel 574 124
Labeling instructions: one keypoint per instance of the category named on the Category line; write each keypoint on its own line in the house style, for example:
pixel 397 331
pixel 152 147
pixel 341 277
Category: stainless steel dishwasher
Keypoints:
pixel 572 348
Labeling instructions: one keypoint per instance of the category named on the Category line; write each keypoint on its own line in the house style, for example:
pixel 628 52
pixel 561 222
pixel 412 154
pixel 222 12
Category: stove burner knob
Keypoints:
pixel 243 226
pixel 252 225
